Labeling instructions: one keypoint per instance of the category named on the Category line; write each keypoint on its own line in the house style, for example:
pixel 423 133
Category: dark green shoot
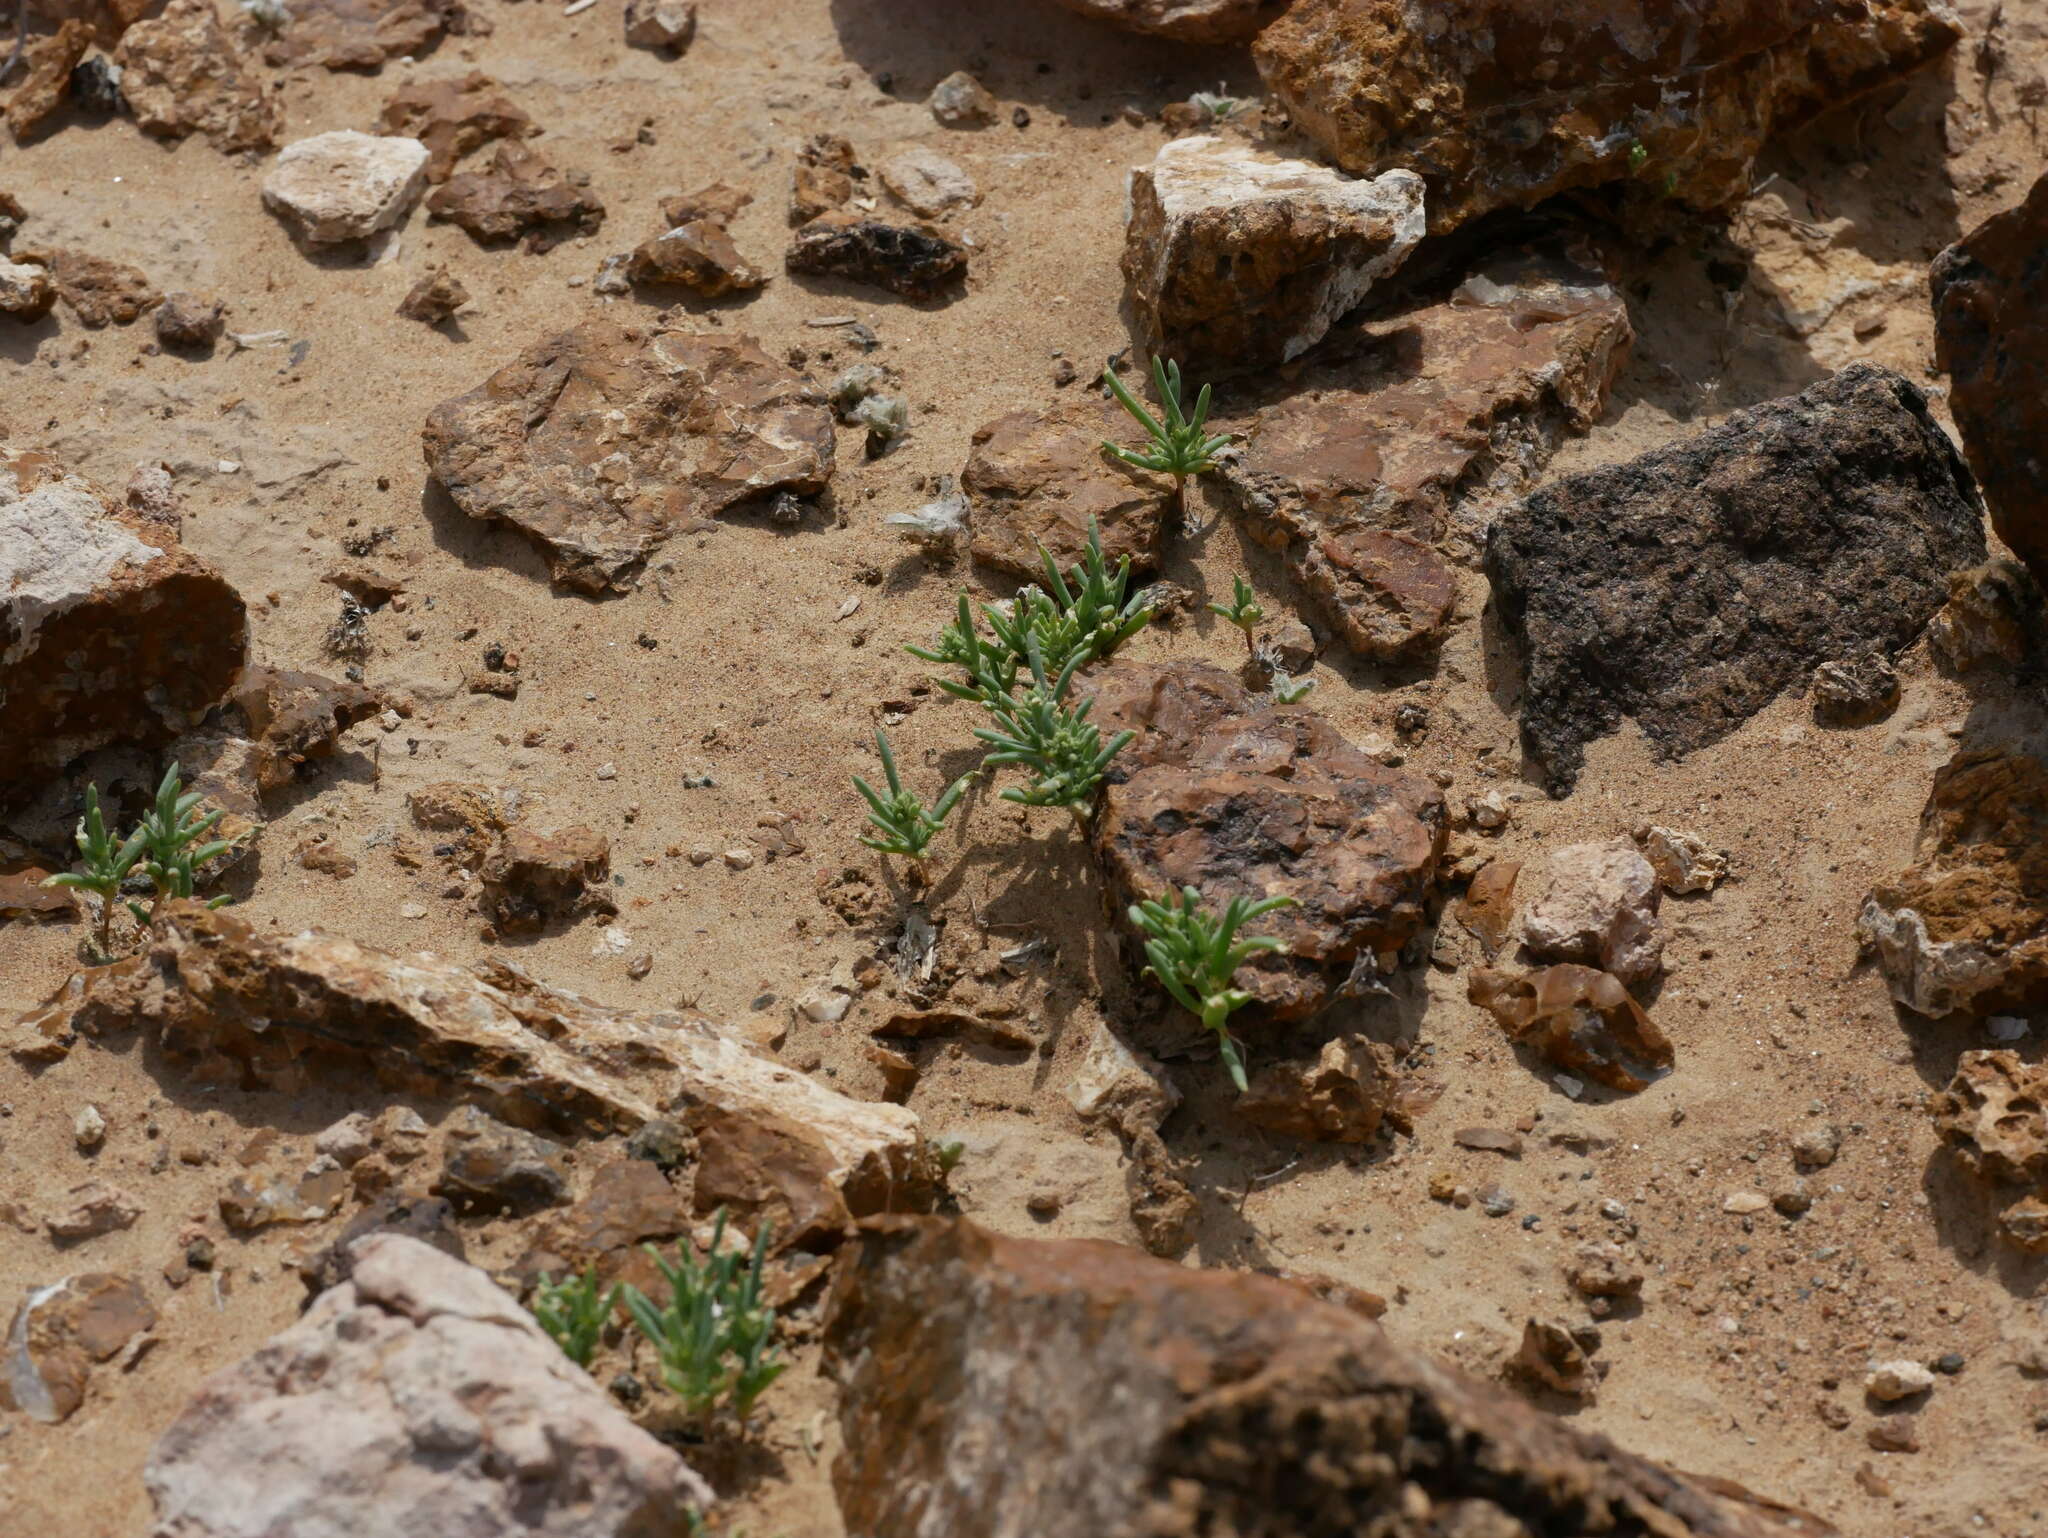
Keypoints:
pixel 1243 611
pixel 1041 732
pixel 1180 445
pixel 714 1339
pixel 573 1311
pixel 106 865
pixel 906 826
pixel 1194 955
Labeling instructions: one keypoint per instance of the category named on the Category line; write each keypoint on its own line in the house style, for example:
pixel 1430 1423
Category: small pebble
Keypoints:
pixel 740 859
pixel 88 1129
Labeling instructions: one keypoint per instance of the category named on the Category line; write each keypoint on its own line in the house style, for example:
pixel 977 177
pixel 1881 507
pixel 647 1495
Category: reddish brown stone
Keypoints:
pixel 181 74
pixel 1389 596
pixel 58 1332
pixel 1488 906
pixel 362 34
pixel 1169 705
pixel 97 290
pixel 1040 478
pixel 453 116
pixel 522 195
pixel 1341 1096
pixel 1579 1018
pixel 48 61
pixel 191 320
pixel 435 298
pixel 534 880
pixel 296 717
pixel 698 255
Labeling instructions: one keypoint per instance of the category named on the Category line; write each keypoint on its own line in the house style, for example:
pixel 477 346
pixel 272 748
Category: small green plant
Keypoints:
pixel 1243 611
pixel 1194 955
pixel 1180 445
pixel 714 1339
pixel 1053 740
pixel 573 1311
pixel 166 846
pixel 907 827
pixel 1638 156
pixel 1291 691
pixel 950 1152
pixel 1221 108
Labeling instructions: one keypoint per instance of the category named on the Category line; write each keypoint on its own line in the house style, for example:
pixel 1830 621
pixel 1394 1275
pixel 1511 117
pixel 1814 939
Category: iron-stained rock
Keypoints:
pixel 453 116
pixel 1581 1019
pixel 1039 478
pixel 97 290
pixel 181 73
pixel 521 195
pixel 533 880
pixel 56 1335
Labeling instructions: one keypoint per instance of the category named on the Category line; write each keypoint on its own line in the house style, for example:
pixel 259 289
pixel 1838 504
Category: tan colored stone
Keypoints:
pixel 1994 1113
pixel 521 195
pixel 56 1335
pixel 1341 1096
pixel 1040 478
pixel 46 82
pixel 181 73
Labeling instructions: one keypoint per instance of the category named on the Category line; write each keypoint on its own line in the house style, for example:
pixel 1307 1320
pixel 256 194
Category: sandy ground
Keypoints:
pixel 1747 1325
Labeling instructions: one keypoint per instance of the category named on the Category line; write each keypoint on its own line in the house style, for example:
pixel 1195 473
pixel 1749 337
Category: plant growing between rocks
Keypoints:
pixel 166 846
pixel 1051 738
pixel 573 1311
pixel 714 1338
pixel 1221 108
pixel 907 826
pixel 1194 954
pixel 1290 691
pixel 1244 611
pixel 1180 446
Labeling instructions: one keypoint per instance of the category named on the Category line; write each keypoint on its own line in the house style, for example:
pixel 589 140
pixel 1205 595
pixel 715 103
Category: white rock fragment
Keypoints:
pixel 927 183
pixel 345 185
pixel 1889 1382
pixel 1600 907
pixel 1930 977
pixel 1118 1084
pixel 89 1129
pixel 961 101
pixel 1682 860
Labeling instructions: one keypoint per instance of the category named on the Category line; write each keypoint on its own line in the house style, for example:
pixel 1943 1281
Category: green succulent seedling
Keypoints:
pixel 991 669
pixel 907 826
pixel 1221 108
pixel 714 1339
pixel 1243 611
pixel 1638 155
pixel 1041 732
pixel 107 864
pixel 950 1152
pixel 1180 446
pixel 1291 691
pixel 573 1311
pixel 1194 954
pixel 166 848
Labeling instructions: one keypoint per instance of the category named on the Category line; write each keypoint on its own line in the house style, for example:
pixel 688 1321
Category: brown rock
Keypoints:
pixel 914 260
pixel 1274 802
pixel 1389 596
pixel 599 441
pixel 1966 928
pixel 1895 1434
pixel 110 631
pixel 521 195
pixel 435 298
pixel 1489 1140
pixel 425 1218
pixel 58 1332
pixel 1340 1097
pixel 92 1209
pixel 1993 617
pixel 48 61
pixel 98 291
pixel 181 73
pixel 246 1004
pixel 296 717
pixel 1502 107
pixel 109 19
pixel 697 255
pixel 664 25
pixel 363 34
pixel 1551 1358
pixel 629 1203
pixel 1187 21
pixel 489 1167
pixel 1991 338
pixel 453 116
pixel 1579 1018
pixel 1171 706
pixel 249 1207
pixel 1604 1271
pixel 823 178
pixel 2025 1224
pixel 470 812
pixel 1488 906
pixel 1075 1389
pixel 719 202
pixel 1237 260
pixel 533 880
pixel 26 292
pixel 186 319
pixel 1994 1113
pixel 1040 478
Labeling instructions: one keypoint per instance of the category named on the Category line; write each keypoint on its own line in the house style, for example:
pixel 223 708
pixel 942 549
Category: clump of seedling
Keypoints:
pixel 1291 691
pixel 1044 733
pixel 1244 611
pixel 1194 954
pixel 906 825
pixel 166 848
pixel 573 1311
pixel 1181 444
pixel 1220 107
pixel 714 1338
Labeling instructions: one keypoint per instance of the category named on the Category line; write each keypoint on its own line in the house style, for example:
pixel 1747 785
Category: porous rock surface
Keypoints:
pixel 110 630
pixel 1687 588
pixel 1503 103
pixel 416 1396
pixel 181 73
pixel 1236 259
pixel 521 195
pixel 1079 1389
pixel 599 441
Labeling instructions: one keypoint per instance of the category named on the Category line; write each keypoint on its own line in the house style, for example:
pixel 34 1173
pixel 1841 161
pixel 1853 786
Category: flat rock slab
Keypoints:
pixel 1236 260
pixel 345 186
pixel 598 442
pixel 416 1396
pixel 1238 799
pixel 1499 104
pixel 520 195
pixel 362 34
pixel 110 630
pixel 181 74
pixel 1688 588
pixel 1039 478
pixel 1187 21
pixel 1991 338
pixel 230 1000
pixel 453 116
pixel 1080 1389
pixel 1965 929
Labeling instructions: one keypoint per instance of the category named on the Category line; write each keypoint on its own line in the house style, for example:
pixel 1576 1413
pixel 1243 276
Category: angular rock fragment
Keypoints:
pixel 1075 1389
pixel 427 1219
pixel 250 1206
pixel 110 631
pixel 1689 587
pixel 1236 260
pixel 1993 617
pixel 823 178
pixel 48 62
pixel 533 880
pixel 1342 1096
pixel 189 320
pixel 435 298
pixel 913 260
pixel 1682 860
pixel 295 718
pixel 961 101
pixel 181 74
pixel 1501 107
pixel 1488 906
pixel 469 811
pixel 98 291
pixel 1041 478
pixel 247 1004
pixel 1388 596
pixel 664 25
pixel 1119 1085
pixel 344 186
pixel 1599 905
pixel 109 19
pixel 697 255
pixel 362 34
pixel 1856 690
pixel 1552 1358
pixel 1966 928
pixel 1603 1270
pixel 1270 802
pixel 1186 21
pixel 490 1167
pixel 453 116
pixel 26 292
pixel 1994 1113
pixel 521 195
pixel 599 441
pixel 90 1210
pixel 927 183
pixel 1991 338
pixel 1581 1019
pixel 415 1396
pixel 630 1202
pixel 56 1335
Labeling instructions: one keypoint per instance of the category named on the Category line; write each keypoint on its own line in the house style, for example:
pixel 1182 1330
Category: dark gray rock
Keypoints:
pixel 1688 588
